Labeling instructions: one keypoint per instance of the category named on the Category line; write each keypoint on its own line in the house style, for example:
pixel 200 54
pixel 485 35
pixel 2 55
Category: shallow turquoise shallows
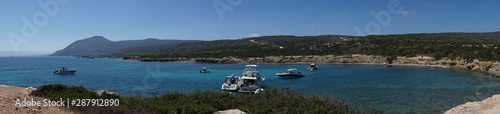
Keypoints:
pixel 390 89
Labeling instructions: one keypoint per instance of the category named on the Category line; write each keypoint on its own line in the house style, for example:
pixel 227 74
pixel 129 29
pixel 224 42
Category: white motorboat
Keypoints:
pixel 291 73
pixel 65 71
pixel 251 79
pixel 204 70
pixel 231 83
pixel 312 67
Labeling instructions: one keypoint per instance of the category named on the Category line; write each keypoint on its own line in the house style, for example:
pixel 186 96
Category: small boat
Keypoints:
pixel 231 83
pixel 204 70
pixel 292 73
pixel 65 71
pixel 251 79
pixel 260 90
pixel 312 67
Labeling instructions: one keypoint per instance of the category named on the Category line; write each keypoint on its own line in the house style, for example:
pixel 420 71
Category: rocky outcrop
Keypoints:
pixel 105 94
pixel 488 106
pixel 488 67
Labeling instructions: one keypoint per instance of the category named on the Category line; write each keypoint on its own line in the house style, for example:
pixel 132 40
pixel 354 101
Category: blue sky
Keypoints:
pixel 199 20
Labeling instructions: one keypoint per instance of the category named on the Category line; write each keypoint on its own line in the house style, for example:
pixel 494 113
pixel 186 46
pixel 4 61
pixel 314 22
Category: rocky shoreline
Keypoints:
pixel 488 67
pixel 490 105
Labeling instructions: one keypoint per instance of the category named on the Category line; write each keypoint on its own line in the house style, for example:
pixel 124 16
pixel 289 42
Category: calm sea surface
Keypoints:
pixel 390 89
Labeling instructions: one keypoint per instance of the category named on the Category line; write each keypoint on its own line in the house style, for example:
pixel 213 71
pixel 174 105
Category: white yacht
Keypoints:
pixel 65 71
pixel 251 79
pixel 231 83
pixel 292 73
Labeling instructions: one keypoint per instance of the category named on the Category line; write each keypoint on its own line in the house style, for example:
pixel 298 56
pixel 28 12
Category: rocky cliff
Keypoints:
pixel 488 67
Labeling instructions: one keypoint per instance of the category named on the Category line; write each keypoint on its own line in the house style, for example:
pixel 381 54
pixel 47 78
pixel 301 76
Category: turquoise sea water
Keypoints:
pixel 391 89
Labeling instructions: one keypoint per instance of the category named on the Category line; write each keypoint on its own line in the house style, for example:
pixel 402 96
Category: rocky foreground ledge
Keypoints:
pixel 488 106
pixel 10 94
pixel 488 67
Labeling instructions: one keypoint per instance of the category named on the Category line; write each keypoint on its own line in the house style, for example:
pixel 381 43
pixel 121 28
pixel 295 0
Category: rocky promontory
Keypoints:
pixel 488 106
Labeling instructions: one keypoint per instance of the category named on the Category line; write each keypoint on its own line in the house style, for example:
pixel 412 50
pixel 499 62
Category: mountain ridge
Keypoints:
pixel 99 45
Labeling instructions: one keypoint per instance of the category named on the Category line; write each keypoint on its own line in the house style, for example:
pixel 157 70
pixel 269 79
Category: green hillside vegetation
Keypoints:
pixel 469 46
pixel 248 47
pixel 273 100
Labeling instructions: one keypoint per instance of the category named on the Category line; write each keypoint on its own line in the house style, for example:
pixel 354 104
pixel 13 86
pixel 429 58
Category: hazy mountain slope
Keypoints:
pixel 99 45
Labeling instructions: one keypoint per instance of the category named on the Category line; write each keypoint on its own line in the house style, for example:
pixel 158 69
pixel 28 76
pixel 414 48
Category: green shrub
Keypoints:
pixel 57 91
pixel 273 100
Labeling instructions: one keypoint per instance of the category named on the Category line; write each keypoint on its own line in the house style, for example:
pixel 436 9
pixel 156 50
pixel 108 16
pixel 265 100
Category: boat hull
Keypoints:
pixel 249 88
pixel 64 72
pixel 252 87
pixel 290 75
pixel 232 87
pixel 205 71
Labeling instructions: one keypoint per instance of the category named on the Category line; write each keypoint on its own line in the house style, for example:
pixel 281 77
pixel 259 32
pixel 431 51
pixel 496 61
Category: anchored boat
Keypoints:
pixel 291 73
pixel 312 67
pixel 204 70
pixel 65 71
pixel 251 79
pixel 231 83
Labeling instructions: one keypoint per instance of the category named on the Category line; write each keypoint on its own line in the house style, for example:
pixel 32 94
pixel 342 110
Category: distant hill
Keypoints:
pixel 99 45
pixel 482 46
pixel 246 47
